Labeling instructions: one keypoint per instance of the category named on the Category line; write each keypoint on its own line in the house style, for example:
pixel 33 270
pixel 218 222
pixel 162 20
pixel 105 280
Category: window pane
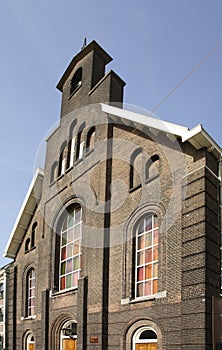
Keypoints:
pixel 63 253
pixel 77 231
pixel 155 270
pixel 69 266
pixel 75 277
pixel 64 238
pixel 140 274
pixel 147 288
pixel 140 257
pixel 141 242
pixel 155 237
pixel 148 273
pixel 76 247
pixel 148 223
pixel 148 239
pixel 64 227
pixel 69 251
pixel 155 286
pixel 140 290
pixel 70 219
pixel 155 253
pixel 141 228
pixel 76 262
pixel 77 215
pixel 70 235
pixel 148 255
pixel 63 268
pixel 62 283
pixel 68 281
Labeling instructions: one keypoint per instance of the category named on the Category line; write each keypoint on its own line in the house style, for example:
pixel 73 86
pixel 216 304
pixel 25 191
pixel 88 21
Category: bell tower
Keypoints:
pixel 85 81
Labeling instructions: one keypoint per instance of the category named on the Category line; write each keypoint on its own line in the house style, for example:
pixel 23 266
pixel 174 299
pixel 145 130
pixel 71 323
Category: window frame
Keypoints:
pixel 149 255
pixel 29 307
pixel 70 251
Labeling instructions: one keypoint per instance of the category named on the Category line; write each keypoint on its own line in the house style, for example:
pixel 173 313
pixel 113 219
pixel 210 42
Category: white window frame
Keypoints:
pixel 143 250
pixel 137 334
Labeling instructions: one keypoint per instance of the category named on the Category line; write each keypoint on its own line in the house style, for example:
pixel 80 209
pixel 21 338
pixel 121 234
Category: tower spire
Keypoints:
pixel 84 43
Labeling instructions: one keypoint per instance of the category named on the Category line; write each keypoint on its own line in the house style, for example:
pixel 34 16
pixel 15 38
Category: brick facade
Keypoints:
pixel 183 194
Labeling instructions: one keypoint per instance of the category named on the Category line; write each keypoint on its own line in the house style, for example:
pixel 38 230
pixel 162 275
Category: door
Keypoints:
pixel 69 344
pixel 151 346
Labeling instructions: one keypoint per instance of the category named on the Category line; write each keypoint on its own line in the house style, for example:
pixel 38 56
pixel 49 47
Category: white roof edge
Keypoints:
pixel 185 133
pixel 149 121
pixel 38 175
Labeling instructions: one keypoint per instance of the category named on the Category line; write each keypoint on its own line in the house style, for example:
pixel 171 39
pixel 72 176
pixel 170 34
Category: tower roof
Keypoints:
pixel 93 46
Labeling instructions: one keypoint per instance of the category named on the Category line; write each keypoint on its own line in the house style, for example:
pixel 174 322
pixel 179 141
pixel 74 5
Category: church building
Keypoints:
pixel 117 243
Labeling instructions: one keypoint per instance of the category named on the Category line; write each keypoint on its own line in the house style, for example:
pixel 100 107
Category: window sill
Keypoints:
pixel 60 177
pixel 62 292
pixel 69 169
pixel 135 188
pixel 87 153
pixel 158 295
pixel 78 161
pixel 151 179
pixel 28 318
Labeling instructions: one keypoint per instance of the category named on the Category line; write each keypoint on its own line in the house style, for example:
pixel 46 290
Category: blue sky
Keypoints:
pixel 154 44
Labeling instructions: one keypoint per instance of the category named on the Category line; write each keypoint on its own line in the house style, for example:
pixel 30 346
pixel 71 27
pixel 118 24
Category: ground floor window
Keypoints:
pixel 69 336
pixel 30 342
pixel 145 339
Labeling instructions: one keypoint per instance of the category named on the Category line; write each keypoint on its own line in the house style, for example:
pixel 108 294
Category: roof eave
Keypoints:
pixel 28 207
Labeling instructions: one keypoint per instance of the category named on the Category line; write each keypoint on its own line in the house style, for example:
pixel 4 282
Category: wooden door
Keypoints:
pixel 151 346
pixel 69 344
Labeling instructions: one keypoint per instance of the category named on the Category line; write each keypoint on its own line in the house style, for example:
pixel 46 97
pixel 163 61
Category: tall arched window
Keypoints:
pixel 68 336
pixel 30 293
pixel 71 145
pixel 90 140
pixel 70 249
pixel 76 81
pixel 145 339
pixel 30 342
pixel 62 159
pixel 146 274
pixel 153 167
pixel 54 171
pixel 80 143
pixel 33 234
pixel 135 169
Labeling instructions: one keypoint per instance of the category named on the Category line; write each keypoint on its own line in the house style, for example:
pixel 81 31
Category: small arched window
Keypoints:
pixel 71 145
pixel 33 234
pixel 80 143
pixel 136 169
pixel 30 293
pixel 27 245
pixel 146 256
pixel 68 336
pixel 1 315
pixel 90 140
pixel 62 159
pixel 54 170
pixel 145 339
pixel 30 342
pixel 70 249
pixel 76 81
pixel 153 167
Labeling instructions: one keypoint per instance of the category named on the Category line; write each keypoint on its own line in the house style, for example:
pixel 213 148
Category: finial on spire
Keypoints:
pixel 84 44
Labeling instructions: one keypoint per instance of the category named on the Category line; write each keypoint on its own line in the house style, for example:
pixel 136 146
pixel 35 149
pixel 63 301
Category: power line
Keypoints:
pixel 187 76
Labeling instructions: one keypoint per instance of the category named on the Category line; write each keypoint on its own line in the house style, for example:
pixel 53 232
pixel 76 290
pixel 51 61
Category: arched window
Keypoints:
pixel 90 140
pixel 80 143
pixel 146 274
pixel 30 293
pixel 76 81
pixel 30 342
pixel 54 169
pixel 1 315
pixel 68 336
pixel 62 159
pixel 33 234
pixel 71 146
pixel 27 245
pixel 70 249
pixel 145 339
pixel 135 169
pixel 153 167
